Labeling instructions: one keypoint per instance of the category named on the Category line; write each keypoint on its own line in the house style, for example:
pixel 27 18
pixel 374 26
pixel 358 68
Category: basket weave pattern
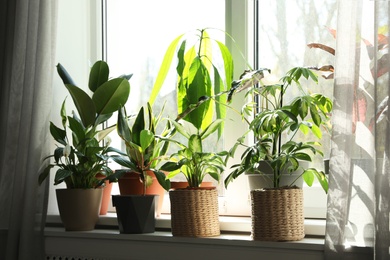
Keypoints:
pixel 194 212
pixel 277 214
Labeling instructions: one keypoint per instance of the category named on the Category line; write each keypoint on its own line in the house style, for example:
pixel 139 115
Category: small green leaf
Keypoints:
pixel 58 134
pixel 195 144
pixel 146 138
pixel 308 177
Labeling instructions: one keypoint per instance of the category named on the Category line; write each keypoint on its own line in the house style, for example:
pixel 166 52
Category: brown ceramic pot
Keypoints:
pixel 79 208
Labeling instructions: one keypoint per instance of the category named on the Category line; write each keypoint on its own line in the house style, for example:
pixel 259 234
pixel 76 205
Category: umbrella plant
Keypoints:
pixel 276 125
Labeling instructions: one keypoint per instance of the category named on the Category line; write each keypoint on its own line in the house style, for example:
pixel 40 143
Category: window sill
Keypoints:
pixel 313 227
pixel 106 243
pixel 109 244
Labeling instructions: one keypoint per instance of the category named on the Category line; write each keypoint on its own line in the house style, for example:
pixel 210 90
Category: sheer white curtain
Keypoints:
pixel 358 201
pixel 27 34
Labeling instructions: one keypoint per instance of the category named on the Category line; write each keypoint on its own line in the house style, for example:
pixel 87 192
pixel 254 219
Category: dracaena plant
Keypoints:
pixel 145 150
pixel 276 124
pixel 81 152
pixel 204 67
pixel 191 160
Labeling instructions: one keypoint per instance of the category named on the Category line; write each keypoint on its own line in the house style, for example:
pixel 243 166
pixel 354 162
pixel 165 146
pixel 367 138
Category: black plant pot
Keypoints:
pixel 135 213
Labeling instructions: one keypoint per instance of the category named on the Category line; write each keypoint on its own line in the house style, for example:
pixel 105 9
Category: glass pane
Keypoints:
pixel 138 34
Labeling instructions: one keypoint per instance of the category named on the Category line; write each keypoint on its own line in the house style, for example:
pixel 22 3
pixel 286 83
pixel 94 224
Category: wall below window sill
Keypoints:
pixel 109 244
pixel 106 243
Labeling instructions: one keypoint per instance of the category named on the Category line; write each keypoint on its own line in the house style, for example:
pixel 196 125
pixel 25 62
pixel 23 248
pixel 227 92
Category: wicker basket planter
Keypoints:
pixel 277 214
pixel 194 212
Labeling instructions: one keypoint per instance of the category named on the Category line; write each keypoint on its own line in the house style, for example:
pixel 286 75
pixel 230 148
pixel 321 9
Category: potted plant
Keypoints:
pixel 144 151
pixel 81 153
pixel 194 209
pixel 204 67
pixel 275 127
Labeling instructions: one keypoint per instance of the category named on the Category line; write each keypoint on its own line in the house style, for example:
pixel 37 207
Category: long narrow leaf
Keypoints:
pixel 165 66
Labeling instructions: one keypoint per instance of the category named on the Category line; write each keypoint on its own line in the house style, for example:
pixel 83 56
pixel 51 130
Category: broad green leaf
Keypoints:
pixel 61 175
pixel 147 137
pixel 199 86
pixel 161 178
pixel 58 134
pixel 98 75
pixel 164 68
pixel 195 144
pixel 110 96
pixel 84 104
pixel 170 166
pixel 125 162
pixel 315 116
pixel 316 131
pixel 308 177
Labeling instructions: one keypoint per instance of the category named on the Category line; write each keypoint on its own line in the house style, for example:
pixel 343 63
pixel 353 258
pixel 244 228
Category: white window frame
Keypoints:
pixel 235 200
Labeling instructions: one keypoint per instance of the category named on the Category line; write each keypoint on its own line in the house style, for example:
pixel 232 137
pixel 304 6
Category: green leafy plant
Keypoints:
pixel 191 160
pixel 204 67
pixel 81 152
pixel 144 149
pixel 276 124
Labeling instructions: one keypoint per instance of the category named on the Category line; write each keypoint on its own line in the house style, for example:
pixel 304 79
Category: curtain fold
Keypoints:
pixel 27 66
pixel 358 198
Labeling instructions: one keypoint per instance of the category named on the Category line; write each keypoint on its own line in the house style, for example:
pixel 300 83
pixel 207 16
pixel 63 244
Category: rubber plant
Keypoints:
pixel 204 67
pixel 81 152
pixel 276 123
pixel 144 148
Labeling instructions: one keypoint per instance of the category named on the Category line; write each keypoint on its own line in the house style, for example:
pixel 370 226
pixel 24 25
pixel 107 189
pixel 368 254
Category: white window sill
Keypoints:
pixel 313 227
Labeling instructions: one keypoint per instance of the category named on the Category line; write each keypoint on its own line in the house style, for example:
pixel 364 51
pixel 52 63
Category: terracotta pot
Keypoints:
pixel 79 208
pixel 106 194
pixel 135 213
pixel 129 184
pixel 194 212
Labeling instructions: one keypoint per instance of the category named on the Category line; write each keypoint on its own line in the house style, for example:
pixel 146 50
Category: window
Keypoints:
pixel 138 33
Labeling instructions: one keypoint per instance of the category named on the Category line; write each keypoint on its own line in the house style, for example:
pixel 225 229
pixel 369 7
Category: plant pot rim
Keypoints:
pixel 135 195
pixel 280 188
pixel 194 188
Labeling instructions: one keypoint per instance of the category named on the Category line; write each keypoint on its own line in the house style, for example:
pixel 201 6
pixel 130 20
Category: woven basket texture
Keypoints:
pixel 194 212
pixel 277 214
